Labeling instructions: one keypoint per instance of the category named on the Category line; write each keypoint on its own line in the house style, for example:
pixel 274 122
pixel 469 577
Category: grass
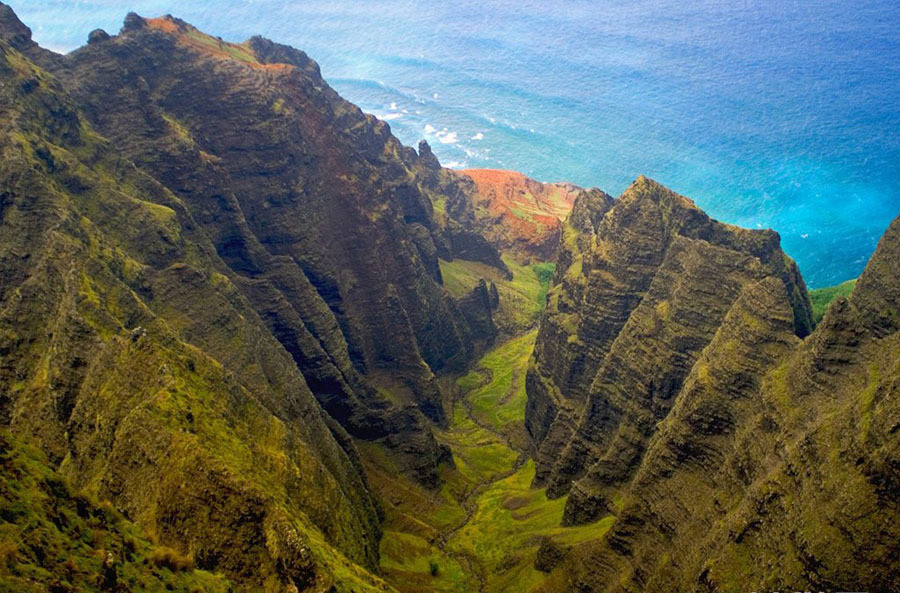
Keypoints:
pixel 506 528
pixel 52 537
pixel 419 565
pixel 522 299
pixel 508 518
pixel 500 403
pixel 821 298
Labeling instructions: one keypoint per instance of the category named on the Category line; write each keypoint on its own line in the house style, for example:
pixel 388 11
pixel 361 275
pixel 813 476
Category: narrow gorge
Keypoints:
pixel 249 341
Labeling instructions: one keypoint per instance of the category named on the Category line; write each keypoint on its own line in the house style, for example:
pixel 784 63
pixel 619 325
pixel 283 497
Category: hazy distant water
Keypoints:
pixel 768 114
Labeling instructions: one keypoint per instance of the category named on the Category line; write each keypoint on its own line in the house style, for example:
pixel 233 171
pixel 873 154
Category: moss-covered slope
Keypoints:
pixel 773 463
pixel 133 361
pixel 644 283
pixel 53 539
pixel 315 208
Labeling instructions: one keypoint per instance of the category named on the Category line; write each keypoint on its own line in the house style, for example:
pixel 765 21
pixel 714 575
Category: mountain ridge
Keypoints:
pixel 223 313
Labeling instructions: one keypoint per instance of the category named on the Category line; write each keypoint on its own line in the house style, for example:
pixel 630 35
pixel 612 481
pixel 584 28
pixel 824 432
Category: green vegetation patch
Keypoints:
pixel 52 539
pixel 821 298
pixel 522 299
pixel 500 401
pixel 505 530
pixel 420 566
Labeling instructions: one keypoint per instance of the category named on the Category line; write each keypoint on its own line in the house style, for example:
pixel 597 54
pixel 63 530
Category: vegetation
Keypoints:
pixel 54 539
pixel 521 299
pixel 482 530
pixel 821 298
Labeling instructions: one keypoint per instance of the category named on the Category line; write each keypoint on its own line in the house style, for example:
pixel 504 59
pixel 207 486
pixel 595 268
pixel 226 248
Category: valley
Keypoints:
pixel 251 343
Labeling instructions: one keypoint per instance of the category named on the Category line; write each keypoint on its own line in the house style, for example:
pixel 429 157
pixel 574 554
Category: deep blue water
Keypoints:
pixel 771 113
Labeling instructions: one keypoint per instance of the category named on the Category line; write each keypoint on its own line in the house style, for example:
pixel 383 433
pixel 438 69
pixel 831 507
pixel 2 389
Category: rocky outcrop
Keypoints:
pixel 517 214
pixel 644 284
pixel 772 467
pixel 459 233
pixel 549 555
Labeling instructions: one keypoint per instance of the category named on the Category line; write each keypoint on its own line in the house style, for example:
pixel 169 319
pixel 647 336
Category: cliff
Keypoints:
pixel 770 463
pixel 195 301
pixel 645 284
pixel 517 214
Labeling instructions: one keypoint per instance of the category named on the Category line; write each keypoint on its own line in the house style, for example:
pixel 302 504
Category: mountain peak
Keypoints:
pixel 12 29
pixel 877 293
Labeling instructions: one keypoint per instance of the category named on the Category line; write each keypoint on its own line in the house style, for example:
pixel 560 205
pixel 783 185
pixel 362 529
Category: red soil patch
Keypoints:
pixel 530 212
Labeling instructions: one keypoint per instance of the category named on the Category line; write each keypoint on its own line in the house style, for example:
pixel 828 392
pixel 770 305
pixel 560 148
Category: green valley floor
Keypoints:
pixel 482 530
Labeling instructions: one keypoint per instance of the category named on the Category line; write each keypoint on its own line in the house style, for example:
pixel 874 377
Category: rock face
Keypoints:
pixel 194 300
pixel 772 466
pixel 313 206
pixel 644 282
pixel 517 214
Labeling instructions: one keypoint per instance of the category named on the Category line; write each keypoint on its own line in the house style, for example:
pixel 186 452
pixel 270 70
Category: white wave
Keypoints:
pixel 390 116
pixel 456 165
pixel 393 106
pixel 447 137
pixel 435 96
pixel 429 129
pixel 478 136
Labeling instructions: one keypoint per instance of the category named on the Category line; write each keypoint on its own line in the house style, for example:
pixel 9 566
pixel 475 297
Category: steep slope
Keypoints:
pixel 131 358
pixel 518 214
pixel 644 283
pixel 53 539
pixel 313 206
pixel 776 468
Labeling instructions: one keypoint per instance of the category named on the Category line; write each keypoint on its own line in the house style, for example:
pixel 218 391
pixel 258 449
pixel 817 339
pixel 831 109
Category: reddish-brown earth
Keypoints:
pixel 525 215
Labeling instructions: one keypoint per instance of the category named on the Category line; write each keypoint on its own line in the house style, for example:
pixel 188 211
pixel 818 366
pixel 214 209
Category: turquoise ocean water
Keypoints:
pixel 769 113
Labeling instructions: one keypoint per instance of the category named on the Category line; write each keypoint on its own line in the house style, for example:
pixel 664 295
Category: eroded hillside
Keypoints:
pixel 251 342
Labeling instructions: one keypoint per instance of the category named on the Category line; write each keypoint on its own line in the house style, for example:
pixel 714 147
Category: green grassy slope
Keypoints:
pixel 521 299
pixel 52 539
pixel 821 298
pixel 482 530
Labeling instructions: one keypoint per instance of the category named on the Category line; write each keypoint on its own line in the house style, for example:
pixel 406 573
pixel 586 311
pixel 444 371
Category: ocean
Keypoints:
pixel 769 114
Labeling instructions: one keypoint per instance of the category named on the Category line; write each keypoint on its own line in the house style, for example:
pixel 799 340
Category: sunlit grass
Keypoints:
pixel 521 299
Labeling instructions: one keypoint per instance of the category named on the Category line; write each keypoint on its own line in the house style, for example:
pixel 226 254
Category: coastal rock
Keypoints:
pixel 516 214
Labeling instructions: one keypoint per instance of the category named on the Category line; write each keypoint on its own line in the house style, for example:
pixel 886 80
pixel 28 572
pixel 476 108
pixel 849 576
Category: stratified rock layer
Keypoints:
pixel 644 282
pixel 129 355
pixel 773 467
pixel 214 273
pixel 313 206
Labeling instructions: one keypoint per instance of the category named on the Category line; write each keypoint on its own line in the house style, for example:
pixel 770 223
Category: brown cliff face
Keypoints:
pixel 776 468
pixel 313 205
pixel 644 283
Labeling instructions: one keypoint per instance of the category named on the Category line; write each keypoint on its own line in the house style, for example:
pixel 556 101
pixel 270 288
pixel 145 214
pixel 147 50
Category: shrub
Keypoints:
pixel 433 567
pixel 165 557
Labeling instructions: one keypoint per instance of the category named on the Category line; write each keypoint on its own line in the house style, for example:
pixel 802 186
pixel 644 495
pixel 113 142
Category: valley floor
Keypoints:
pixel 482 530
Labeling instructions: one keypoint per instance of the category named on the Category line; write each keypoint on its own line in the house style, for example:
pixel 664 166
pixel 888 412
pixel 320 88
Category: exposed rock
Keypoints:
pixel 306 199
pixel 586 506
pixel 97 36
pixel 549 555
pixel 426 157
pixel 477 306
pixel 772 467
pixel 643 285
pixel 516 214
